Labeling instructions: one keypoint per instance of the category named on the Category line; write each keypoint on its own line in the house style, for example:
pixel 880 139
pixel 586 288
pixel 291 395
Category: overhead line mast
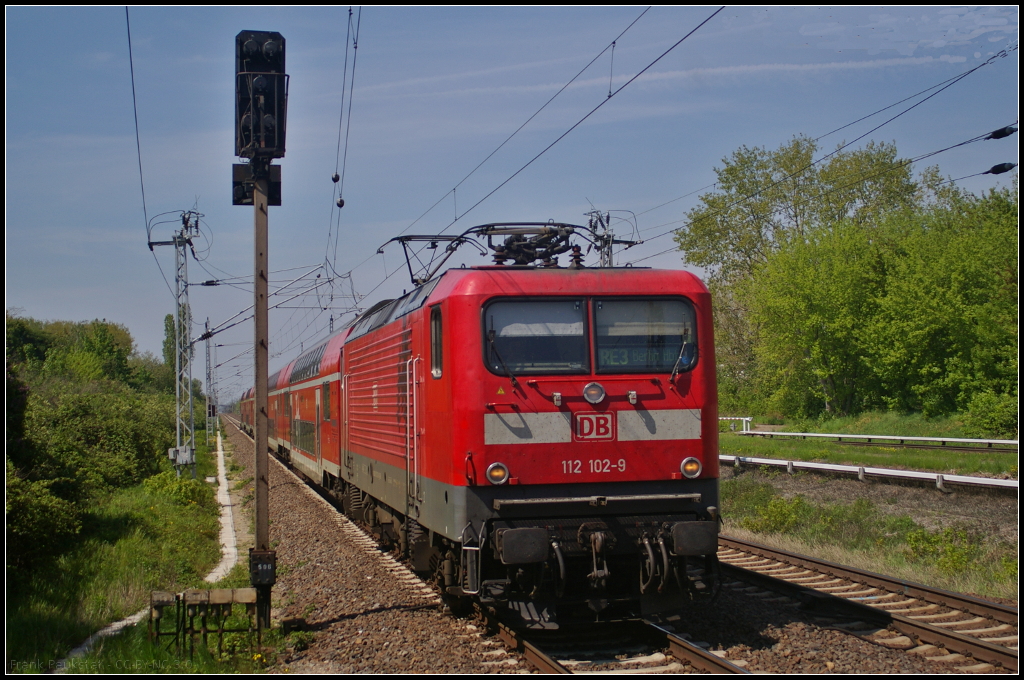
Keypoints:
pixel 183 455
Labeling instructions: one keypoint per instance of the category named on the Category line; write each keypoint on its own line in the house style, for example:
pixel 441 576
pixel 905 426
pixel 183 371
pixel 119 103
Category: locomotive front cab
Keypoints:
pixel 599 456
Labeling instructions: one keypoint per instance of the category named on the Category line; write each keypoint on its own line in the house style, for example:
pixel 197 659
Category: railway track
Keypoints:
pixel 638 647
pixel 974 634
pixel 634 647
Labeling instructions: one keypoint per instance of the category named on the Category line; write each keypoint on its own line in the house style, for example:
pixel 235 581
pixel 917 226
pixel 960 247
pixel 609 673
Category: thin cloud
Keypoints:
pixel 709 72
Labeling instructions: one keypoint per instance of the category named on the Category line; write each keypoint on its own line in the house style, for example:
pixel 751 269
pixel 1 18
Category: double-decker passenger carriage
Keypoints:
pixel 543 439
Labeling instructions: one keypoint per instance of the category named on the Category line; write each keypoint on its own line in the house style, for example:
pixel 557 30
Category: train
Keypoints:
pixel 540 439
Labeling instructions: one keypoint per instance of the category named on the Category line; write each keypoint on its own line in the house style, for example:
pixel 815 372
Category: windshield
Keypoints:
pixel 641 336
pixel 536 336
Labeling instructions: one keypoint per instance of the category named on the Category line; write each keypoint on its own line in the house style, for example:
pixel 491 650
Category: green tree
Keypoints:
pixel 84 417
pixel 813 302
pixel 763 199
pixel 764 203
pixel 947 322
pixel 150 374
pixel 170 344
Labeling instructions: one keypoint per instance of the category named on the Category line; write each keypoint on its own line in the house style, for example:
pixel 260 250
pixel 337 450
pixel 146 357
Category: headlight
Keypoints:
pixel 497 473
pixel 593 393
pixel 690 468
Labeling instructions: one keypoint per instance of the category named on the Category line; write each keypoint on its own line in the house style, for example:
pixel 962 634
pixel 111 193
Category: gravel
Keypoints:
pixel 771 634
pixel 367 616
pixel 365 613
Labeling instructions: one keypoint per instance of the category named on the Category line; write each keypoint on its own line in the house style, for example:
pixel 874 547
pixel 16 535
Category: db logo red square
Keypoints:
pixel 594 426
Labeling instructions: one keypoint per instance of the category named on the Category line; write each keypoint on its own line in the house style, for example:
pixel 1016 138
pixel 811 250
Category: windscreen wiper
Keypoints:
pixel 497 354
pixel 689 363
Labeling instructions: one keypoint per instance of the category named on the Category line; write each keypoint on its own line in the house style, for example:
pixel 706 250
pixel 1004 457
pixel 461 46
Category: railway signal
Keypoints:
pixel 261 95
pixel 261 106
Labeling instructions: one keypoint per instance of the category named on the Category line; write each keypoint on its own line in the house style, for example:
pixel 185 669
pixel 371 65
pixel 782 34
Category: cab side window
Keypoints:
pixel 435 341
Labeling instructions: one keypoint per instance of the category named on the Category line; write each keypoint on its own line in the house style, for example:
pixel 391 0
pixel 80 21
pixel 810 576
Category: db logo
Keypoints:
pixel 594 426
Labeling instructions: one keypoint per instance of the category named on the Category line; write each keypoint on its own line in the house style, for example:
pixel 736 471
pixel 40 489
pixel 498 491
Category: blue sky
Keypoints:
pixel 436 91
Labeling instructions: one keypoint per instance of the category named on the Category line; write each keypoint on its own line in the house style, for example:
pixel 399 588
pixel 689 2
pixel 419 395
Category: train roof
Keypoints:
pixel 322 359
pixel 512 280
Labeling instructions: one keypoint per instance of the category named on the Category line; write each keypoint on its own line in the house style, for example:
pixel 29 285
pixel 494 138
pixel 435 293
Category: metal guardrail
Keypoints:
pixel 862 472
pixel 989 443
pixel 747 423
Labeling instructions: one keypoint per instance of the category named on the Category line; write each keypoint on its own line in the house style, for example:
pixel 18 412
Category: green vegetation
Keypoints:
pixel 131 651
pixel 955 558
pixel 95 517
pixel 849 286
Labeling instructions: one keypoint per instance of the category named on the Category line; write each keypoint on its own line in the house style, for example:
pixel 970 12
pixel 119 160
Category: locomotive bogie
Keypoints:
pixel 534 437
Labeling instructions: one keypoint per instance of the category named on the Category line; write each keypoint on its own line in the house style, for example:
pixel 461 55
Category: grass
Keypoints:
pixel 132 651
pixel 877 423
pixel 884 422
pixel 133 540
pixel 864 535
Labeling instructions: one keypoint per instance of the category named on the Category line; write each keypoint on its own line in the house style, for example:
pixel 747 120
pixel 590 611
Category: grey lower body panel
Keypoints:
pixel 453 511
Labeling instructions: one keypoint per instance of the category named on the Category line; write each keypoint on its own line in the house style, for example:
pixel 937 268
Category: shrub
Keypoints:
pixel 954 550
pixel 992 415
pixel 779 515
pixel 39 524
pixel 182 490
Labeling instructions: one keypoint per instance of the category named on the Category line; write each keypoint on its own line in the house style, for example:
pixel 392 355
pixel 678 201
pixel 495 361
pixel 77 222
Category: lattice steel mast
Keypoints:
pixel 184 453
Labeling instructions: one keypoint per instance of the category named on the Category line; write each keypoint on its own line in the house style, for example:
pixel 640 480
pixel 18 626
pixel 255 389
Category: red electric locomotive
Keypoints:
pixel 543 439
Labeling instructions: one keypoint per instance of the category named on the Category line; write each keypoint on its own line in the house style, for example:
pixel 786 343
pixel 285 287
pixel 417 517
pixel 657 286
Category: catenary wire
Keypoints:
pixel 481 163
pixel 863 178
pixel 947 82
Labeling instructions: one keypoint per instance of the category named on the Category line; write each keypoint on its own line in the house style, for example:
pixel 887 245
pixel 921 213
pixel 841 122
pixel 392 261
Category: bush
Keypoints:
pixel 779 516
pixel 182 490
pixel 101 436
pixel 39 524
pixel 992 415
pixel 953 549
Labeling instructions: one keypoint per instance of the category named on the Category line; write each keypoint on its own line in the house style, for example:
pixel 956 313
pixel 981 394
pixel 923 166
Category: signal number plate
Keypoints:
pixel 594 426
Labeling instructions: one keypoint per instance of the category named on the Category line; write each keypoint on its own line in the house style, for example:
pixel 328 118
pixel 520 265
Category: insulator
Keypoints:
pixel 1002 132
pixel 1000 169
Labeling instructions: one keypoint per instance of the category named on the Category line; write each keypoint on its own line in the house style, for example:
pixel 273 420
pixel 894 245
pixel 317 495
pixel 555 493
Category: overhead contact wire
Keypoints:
pixel 581 120
pixel 138 150
pixel 950 81
pixel 498 148
pixel 527 121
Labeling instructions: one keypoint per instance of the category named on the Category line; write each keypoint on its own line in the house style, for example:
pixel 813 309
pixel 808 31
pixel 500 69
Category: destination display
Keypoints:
pixel 639 356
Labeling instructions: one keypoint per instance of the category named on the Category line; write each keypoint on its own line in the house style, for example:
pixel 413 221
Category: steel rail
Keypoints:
pixel 964 603
pixel 533 654
pixel 925 632
pixel 697 657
